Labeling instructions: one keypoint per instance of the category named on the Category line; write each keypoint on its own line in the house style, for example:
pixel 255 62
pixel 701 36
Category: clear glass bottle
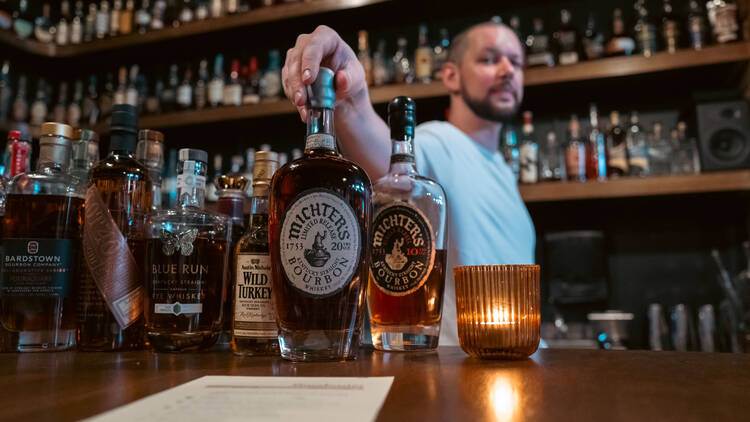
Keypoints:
pixel 596 152
pixel 538 46
pixel 440 54
pixel 659 152
pixel 157 15
pixel 44 30
pixel 621 43
pixel 42 232
pixel 696 25
pixel 617 148
pixel 150 152
pixel 187 265
pixel 319 265
pixel 77 24
pixel 402 65
pixel 423 57
pixel 687 159
pixel 232 95
pixel 722 14
pixel 185 90
pixel 73 112
pixel 511 152
pixel 575 152
pixel 552 167
pixel 407 247
pixel 528 152
pixel 62 37
pixel 645 32
pixel 38 109
pixel 102 20
pixel 20 104
pixel 216 86
pixel 253 319
pixel 270 82
pixel 143 17
pixel 201 86
pixel 363 54
pixel 58 111
pixel 567 40
pixel 593 39
pixel 637 148
pixel 90 106
pixel 85 155
pixel 670 27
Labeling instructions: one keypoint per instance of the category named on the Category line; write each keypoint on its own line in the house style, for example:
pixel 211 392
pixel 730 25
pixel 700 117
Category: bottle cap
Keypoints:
pixel 189 154
pixel 402 117
pixel 14 135
pixel 231 182
pixel 55 144
pixel 57 129
pixel 321 94
pixel 150 135
pixel 266 164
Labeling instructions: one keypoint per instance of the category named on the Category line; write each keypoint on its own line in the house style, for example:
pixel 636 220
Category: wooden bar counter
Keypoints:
pixel 446 385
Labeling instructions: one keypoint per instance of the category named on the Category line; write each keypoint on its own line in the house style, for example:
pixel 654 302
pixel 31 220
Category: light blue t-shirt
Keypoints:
pixel 487 222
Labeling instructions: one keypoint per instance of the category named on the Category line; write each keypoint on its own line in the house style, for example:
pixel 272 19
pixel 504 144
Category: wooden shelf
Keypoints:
pixel 728 181
pixel 253 17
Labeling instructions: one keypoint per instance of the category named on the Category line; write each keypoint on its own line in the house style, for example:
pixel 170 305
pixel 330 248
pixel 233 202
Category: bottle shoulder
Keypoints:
pixel 119 164
pixel 323 170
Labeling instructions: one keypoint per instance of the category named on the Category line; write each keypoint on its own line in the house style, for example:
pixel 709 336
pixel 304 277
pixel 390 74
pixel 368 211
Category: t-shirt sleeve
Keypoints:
pixel 431 154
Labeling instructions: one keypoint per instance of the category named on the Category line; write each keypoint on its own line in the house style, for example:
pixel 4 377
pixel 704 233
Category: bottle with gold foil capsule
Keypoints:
pixel 254 328
pixel 187 265
pixel 231 188
pixel 407 247
pixel 41 245
pixel 319 218
pixel 118 202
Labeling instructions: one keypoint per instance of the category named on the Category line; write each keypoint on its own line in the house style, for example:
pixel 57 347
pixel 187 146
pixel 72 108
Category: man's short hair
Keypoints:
pixel 460 42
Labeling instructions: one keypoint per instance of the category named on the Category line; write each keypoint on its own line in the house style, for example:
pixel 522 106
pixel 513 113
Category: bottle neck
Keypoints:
pixel 53 159
pixel 402 155
pixel 191 184
pixel 231 202
pixel 320 131
pixel 122 144
pixel 258 212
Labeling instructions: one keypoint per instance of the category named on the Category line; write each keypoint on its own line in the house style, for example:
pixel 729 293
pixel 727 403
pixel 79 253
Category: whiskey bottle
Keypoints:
pixel 44 31
pixel 319 217
pixel 186 13
pixel 185 90
pixel 596 153
pixel 403 72
pixel 380 72
pixel 567 40
pixel 89 29
pixel 102 20
pixel 168 100
pixel 621 44
pixel 216 86
pixel 77 23
pixel 617 150
pixel 114 18
pixel 217 8
pixel 73 112
pixel 150 152
pixel 85 155
pixel 270 82
pixel 363 54
pixel 249 169
pixel 528 152
pixel 511 152
pixel 660 154
pixel 23 25
pixel 126 18
pixel 62 37
pixel 593 40
pixel 575 152
pixel 158 15
pixel 407 247
pixel 670 27
pixel 201 86
pixel 20 104
pixel 131 91
pixel 232 95
pixel 637 148
pixel 107 99
pixel 117 204
pixel 41 245
pixel 38 109
pixel 17 160
pixel 187 265
pixel 538 46
pixel 90 105
pixel 201 10
pixel 122 86
pixel 687 159
pixel 143 17
pixel 423 57
pixel 697 25
pixel 440 54
pixel 722 14
pixel 254 328
pixel 552 167
pixel 251 90
pixel 645 32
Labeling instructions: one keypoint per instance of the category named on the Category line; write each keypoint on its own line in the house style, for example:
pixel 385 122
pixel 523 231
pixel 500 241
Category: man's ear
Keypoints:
pixel 451 78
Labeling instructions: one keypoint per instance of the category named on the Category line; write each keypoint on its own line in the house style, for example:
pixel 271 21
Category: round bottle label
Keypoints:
pixel 320 243
pixel 403 249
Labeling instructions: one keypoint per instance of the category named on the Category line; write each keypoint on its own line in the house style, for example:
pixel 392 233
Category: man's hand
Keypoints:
pixel 324 47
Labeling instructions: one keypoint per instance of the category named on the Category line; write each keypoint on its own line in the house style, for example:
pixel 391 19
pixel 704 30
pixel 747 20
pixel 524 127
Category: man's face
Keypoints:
pixel 491 73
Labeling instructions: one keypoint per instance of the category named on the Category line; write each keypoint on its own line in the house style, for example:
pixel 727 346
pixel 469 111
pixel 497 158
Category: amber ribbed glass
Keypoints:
pixel 498 310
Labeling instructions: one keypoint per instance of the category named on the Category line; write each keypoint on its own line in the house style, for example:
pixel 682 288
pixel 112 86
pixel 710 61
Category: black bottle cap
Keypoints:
pixel 402 117
pixel 124 128
pixel 321 93
pixel 190 154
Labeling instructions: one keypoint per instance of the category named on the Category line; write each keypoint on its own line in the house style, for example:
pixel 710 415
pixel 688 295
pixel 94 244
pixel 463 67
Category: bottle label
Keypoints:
pixel 188 180
pixel 110 262
pixel 215 91
pixel 423 62
pixel 19 153
pixel 529 160
pixel 37 267
pixel 618 157
pixel 184 95
pixel 254 314
pixel 320 243
pixel 403 249
pixel 320 140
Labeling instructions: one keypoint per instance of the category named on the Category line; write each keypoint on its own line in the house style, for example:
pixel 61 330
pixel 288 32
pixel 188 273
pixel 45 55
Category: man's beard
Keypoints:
pixel 486 110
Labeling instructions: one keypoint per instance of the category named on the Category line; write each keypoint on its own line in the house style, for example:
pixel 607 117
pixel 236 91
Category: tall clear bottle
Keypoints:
pixel 150 152
pixel 118 202
pixel 407 247
pixel 596 152
pixel 528 152
pixel 319 218
pixel 254 328
pixel 41 244
pixel 187 265
pixel 638 164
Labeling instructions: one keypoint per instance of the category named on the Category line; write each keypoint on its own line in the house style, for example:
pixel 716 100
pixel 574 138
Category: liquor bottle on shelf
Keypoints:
pixel 107 98
pixel 217 8
pixel 232 95
pixel 185 90
pixel 187 258
pixel 140 84
pixel 20 104
pixel 102 20
pixel 114 18
pixel 212 194
pixel 363 54
pixel 153 101
pixel 186 13
pixel 722 14
pixel 43 218
pixel 617 149
pixel 538 46
pixel 58 111
pixel 567 40
pixel 126 18
pixel 645 32
pixel 403 72
pixel 62 37
pixel 575 152
pixel 596 151
pixel 440 54
pixel 38 109
pixel 687 159
pixel 637 148
pixel 407 265
pixel 122 86
pixel 621 44
pixel 593 40
pixel 216 86
pixel 143 17
pixel 150 153
pixel 270 82
pixel 158 15
pixel 318 232
pixel 73 112
pixel 90 104
pixel 660 155
pixel 552 164
pixel 283 158
pixel 232 6
pixel 89 30
pixel 251 90
pixel 380 72
pixel 201 10
pixel 423 57
pixel 44 30
pixel 696 25
pixel 515 25
pixel 6 92
pixel 254 329
pixel 670 27
pixel 77 24
pixel 23 23
pixel 511 152
pixel 117 204
pixel 528 152
pixel 201 86
pixel 168 100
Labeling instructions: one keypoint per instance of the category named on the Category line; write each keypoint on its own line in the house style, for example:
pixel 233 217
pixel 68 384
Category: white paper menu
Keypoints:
pixel 233 398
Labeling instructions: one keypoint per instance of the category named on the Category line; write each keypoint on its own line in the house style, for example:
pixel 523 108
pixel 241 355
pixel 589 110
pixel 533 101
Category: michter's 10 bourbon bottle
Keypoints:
pixel 318 233
pixel 187 265
pixel 254 328
pixel 40 251
pixel 407 248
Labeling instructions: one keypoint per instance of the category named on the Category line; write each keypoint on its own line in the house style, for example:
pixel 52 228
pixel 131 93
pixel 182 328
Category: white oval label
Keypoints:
pixel 320 243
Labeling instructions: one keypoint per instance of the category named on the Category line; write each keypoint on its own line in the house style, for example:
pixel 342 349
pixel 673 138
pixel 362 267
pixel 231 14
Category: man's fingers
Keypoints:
pixel 322 43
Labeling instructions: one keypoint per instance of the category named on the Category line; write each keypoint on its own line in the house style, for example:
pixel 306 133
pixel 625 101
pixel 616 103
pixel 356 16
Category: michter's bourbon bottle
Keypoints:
pixel 254 328
pixel 318 231
pixel 187 265
pixel 118 201
pixel 40 251
pixel 407 248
